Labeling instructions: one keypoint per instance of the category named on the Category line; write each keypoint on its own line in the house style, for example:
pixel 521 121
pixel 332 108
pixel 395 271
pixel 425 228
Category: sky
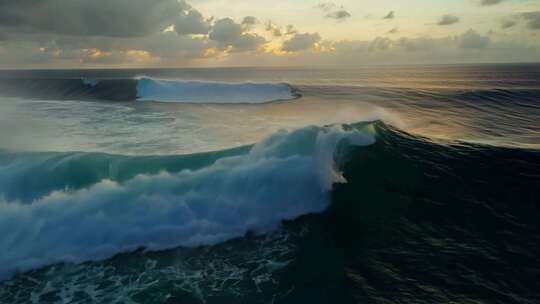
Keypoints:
pixel 206 33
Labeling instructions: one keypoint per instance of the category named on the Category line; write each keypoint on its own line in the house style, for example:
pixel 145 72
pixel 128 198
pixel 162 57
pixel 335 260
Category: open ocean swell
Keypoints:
pixel 391 185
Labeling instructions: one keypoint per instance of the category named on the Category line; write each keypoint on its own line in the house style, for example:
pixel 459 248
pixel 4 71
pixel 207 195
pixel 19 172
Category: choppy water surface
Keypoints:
pixel 382 184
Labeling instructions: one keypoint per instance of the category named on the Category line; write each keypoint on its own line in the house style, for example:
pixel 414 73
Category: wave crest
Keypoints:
pixel 282 177
pixel 147 89
pixel 211 92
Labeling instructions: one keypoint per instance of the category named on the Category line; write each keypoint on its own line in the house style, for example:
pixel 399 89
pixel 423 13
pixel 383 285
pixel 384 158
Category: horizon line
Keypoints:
pixel 321 67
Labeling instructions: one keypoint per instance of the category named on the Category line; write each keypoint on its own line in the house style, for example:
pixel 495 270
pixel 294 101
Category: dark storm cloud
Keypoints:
pixel 448 20
pixel 533 20
pixel 113 18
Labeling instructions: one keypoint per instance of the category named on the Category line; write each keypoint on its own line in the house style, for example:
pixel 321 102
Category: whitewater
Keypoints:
pixel 224 200
pixel 211 92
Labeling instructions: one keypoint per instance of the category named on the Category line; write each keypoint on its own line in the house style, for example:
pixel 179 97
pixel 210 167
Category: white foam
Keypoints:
pixel 149 89
pixel 90 82
pixel 284 176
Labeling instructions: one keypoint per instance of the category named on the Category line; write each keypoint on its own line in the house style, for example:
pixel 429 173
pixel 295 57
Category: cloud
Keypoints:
pixel 228 33
pixel 169 46
pixel 60 33
pixel 339 15
pixel 248 42
pixel 448 20
pixel 506 24
pixel 390 15
pixel 250 21
pixel 301 42
pixel 113 18
pixel 164 48
pixel 533 20
pixel 380 44
pixel 393 31
pixel 326 6
pixel 473 40
pixel 192 22
pixel 277 31
pixel 291 30
pixel 117 32
pixel 273 28
pixel 470 39
pixel 490 2
pixel 467 47
pixel 334 11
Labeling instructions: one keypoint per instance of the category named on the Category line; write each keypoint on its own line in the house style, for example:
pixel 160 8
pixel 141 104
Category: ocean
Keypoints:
pixel 381 184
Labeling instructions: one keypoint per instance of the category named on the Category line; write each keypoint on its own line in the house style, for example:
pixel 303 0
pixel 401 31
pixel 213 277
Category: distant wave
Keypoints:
pixel 211 92
pixel 70 89
pixel 147 89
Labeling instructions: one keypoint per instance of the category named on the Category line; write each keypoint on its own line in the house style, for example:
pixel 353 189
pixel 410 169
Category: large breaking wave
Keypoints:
pixel 282 177
pixel 394 207
pixel 147 89
pixel 211 92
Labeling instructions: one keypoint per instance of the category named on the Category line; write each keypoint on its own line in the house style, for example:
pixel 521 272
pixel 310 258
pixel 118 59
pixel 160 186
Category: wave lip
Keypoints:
pixel 191 91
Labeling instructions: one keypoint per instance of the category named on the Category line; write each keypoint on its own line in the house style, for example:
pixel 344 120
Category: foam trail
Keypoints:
pixel 211 92
pixel 282 177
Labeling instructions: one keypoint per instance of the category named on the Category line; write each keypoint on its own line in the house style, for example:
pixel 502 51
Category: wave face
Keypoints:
pixel 70 89
pixel 147 89
pixel 211 92
pixel 280 178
